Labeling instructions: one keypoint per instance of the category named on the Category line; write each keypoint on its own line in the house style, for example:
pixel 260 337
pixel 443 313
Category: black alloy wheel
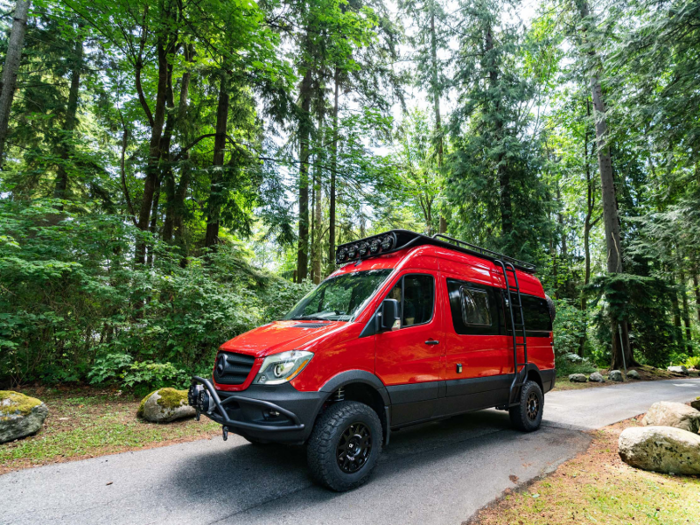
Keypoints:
pixel 354 448
pixel 344 445
pixel 526 415
pixel 533 406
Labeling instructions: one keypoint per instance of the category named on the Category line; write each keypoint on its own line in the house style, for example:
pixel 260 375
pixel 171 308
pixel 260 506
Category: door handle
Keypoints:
pixel 432 342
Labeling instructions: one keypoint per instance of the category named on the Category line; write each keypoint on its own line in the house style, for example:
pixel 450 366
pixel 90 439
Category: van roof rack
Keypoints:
pixel 395 240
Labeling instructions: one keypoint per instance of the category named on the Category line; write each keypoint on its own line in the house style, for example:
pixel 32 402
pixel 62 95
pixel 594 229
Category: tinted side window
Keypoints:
pixel 416 295
pixel 475 308
pixel 537 317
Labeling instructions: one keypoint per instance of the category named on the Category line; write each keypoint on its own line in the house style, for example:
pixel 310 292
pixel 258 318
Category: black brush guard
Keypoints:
pixel 215 409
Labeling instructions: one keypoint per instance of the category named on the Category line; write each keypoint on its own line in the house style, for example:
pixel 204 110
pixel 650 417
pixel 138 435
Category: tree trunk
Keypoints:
pixel 684 302
pixel 334 167
pixel 154 151
pixel 318 224
pixel 696 287
pixel 9 72
pixel 442 227
pixel 304 134
pixel 675 307
pixel 66 147
pixel 176 194
pixel 587 226
pixel 216 192
pixel 611 218
pixel 154 220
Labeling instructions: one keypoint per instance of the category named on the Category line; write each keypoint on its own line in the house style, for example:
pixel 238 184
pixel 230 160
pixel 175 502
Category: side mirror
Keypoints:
pixel 389 319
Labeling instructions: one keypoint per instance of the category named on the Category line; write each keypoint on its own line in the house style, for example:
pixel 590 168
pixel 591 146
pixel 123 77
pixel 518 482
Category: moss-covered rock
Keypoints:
pixel 20 415
pixel 165 405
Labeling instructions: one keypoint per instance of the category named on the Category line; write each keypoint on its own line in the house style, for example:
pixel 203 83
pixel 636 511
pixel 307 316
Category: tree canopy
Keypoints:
pixel 177 172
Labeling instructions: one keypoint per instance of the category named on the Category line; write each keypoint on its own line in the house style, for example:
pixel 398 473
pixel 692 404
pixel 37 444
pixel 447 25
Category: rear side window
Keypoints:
pixel 537 317
pixel 474 308
pixel 416 295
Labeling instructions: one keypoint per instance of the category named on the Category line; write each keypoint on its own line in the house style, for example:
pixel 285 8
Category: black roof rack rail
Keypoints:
pixel 395 240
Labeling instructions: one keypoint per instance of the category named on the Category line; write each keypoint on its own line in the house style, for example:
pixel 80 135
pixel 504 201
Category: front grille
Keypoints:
pixel 232 369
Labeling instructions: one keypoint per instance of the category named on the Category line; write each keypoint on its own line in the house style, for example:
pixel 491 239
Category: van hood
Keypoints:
pixel 280 336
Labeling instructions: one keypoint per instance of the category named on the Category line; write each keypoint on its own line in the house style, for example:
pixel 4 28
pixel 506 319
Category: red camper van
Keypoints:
pixel 409 329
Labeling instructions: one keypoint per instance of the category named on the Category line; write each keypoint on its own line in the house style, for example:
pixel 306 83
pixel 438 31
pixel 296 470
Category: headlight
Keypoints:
pixel 280 368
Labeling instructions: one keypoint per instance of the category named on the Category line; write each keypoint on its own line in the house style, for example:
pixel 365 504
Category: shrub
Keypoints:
pixel 569 327
pixel 148 376
pixel 574 364
pixel 74 306
pixel 693 362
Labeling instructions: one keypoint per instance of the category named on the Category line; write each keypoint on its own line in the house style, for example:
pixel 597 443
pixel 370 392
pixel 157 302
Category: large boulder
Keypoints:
pixel 634 374
pixel 20 415
pixel 682 370
pixel 578 378
pixel 661 449
pixel 695 404
pixel 596 378
pixel 165 405
pixel 678 415
pixel 615 375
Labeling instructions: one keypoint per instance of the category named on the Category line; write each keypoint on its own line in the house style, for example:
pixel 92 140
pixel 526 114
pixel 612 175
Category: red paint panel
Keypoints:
pixel 479 355
pixel 402 356
pixel 340 352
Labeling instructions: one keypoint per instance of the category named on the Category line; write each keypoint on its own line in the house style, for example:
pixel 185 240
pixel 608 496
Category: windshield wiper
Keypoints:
pixel 309 318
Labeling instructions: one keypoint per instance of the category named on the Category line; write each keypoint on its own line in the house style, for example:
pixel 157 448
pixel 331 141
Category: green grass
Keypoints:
pixel 89 423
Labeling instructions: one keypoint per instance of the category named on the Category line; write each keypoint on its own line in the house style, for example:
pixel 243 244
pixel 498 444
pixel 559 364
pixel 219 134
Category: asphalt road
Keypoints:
pixel 440 473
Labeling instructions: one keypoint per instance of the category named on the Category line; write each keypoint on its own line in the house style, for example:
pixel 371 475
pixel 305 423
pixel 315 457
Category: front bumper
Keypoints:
pixel 267 413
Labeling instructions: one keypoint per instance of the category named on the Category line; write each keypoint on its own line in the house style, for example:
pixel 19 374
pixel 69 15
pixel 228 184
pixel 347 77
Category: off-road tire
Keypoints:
pixel 550 306
pixel 325 438
pixel 521 415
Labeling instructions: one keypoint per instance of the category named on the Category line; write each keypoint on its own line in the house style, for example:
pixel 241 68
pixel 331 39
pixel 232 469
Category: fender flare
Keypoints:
pixel 532 367
pixel 356 376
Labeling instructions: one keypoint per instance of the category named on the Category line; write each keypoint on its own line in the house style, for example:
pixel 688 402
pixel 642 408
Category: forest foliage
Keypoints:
pixel 176 172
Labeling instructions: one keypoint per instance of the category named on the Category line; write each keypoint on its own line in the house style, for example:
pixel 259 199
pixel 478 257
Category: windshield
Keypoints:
pixel 339 298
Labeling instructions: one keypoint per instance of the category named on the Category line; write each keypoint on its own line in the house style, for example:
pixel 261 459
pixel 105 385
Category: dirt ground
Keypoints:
pixel 597 487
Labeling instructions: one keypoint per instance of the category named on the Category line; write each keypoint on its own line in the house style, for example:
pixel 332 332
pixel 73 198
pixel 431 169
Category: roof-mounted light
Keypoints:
pixel 388 242
pixel 369 247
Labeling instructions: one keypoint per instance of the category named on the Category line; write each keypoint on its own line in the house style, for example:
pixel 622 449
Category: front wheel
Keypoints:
pixel 527 414
pixel 344 446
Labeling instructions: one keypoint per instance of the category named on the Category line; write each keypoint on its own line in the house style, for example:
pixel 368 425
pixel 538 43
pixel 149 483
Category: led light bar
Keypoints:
pixel 395 240
pixel 369 247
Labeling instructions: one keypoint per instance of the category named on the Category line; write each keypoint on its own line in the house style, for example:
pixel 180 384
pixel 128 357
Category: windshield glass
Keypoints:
pixel 339 298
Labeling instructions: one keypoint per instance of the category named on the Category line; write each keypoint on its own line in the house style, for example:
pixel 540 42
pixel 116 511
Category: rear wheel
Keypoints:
pixel 344 445
pixel 527 414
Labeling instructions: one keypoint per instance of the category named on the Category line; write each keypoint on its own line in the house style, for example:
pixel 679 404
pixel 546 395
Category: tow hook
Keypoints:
pixel 225 432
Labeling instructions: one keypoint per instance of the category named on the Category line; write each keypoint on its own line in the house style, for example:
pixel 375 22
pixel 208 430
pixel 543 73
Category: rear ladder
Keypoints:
pixel 514 300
